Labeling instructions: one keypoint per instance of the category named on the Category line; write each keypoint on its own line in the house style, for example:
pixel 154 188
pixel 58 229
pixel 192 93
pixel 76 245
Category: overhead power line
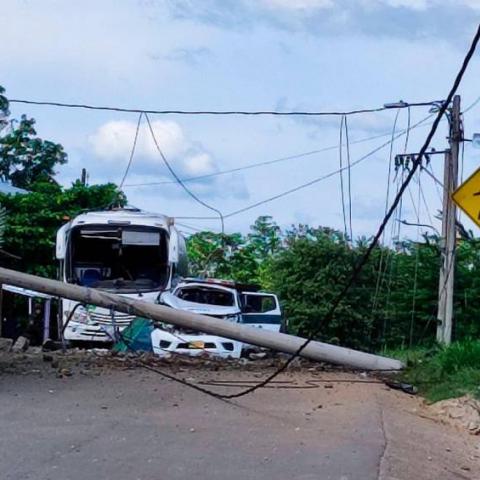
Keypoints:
pixel 336 172
pixel 349 178
pixel 311 182
pixel 214 112
pixel 261 164
pixel 177 178
pixel 132 153
pixel 340 171
pixel 360 265
pixel 283 159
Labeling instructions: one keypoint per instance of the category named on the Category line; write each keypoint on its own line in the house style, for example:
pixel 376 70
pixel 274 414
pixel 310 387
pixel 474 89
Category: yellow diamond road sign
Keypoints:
pixel 467 197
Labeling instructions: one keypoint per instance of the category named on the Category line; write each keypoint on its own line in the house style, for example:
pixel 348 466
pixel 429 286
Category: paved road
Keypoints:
pixel 136 425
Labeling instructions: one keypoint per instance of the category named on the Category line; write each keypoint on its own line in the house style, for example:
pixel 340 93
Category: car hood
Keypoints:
pixel 172 301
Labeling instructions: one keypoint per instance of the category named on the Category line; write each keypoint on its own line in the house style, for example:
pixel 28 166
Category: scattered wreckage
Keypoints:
pixel 141 255
pixel 122 277
pixel 222 299
pixel 125 251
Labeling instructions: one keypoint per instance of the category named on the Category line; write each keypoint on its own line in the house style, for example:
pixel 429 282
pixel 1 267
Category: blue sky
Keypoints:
pixel 242 54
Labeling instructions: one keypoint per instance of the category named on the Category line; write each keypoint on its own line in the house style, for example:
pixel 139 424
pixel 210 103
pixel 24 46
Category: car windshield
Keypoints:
pixel 206 295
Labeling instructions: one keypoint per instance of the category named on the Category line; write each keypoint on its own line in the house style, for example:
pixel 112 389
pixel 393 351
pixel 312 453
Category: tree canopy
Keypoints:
pixel 393 303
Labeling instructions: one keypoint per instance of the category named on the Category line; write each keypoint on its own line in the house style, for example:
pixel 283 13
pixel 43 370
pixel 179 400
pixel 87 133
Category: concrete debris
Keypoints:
pixel 257 355
pixel 21 344
pixel 463 413
pixel 5 344
pixel 98 361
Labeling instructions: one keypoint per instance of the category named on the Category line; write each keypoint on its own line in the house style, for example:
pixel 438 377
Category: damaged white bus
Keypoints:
pixel 124 251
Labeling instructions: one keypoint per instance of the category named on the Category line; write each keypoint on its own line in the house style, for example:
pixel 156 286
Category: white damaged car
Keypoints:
pixel 220 299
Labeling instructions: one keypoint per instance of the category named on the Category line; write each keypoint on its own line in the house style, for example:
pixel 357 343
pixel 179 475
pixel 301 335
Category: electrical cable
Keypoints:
pixel 271 162
pixel 415 274
pixel 359 267
pixel 340 172
pixel 132 153
pixel 303 185
pixel 462 162
pixel 425 203
pixel 349 172
pixel 407 136
pixel 191 227
pixel 391 259
pixel 177 178
pixel 290 157
pixel 412 200
pixel 214 112
pixel 437 182
pixel 387 198
pixel 395 235
pixel 410 224
pixel 287 384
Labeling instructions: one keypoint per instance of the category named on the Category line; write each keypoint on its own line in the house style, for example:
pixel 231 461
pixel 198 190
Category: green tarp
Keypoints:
pixel 136 337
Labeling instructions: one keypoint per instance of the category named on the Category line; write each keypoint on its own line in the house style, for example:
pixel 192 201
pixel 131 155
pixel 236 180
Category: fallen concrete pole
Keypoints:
pixel 276 341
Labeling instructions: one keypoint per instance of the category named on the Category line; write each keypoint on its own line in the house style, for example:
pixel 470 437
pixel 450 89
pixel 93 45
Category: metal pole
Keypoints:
pixel 447 268
pixel 243 333
pixel 46 319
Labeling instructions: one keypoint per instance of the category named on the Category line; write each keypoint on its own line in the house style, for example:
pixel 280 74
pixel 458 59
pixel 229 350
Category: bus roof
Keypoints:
pixel 126 216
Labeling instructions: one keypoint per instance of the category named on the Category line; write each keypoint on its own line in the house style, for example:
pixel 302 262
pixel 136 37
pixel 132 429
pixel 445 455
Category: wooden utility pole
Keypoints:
pixel 447 268
pixel 243 333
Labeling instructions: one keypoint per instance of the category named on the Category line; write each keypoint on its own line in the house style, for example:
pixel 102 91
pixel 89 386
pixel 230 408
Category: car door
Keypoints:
pixel 261 310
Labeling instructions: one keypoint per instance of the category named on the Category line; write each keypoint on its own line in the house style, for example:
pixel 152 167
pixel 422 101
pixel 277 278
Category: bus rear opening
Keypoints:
pixel 123 259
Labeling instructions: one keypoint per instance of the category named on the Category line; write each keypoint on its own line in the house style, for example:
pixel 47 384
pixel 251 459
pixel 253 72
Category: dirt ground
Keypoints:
pixel 85 416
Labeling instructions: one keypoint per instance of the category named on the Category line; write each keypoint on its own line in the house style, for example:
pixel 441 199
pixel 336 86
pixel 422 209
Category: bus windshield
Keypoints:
pixel 123 259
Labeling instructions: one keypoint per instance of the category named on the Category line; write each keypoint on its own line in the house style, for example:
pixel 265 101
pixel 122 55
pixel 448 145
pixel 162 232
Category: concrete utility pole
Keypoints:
pixel 243 333
pixel 447 268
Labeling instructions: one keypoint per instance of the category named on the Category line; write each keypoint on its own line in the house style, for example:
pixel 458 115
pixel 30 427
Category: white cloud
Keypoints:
pixel 114 140
pixel 412 4
pixel 417 5
pixel 422 5
pixel 299 4
pixel 112 143
pixel 200 164
pixel 473 4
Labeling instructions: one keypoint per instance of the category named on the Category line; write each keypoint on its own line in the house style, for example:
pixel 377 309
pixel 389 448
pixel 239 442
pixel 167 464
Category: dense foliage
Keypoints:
pixel 34 218
pixel 393 303
pixel 443 372
pixel 26 159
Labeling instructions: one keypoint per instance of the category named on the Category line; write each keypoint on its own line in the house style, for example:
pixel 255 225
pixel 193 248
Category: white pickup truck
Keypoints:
pixel 221 299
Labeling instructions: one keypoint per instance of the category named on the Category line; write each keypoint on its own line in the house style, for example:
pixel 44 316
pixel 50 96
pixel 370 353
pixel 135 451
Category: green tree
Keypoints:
pixel 235 256
pixel 265 237
pixel 34 218
pixel 4 112
pixel 309 274
pixel 26 159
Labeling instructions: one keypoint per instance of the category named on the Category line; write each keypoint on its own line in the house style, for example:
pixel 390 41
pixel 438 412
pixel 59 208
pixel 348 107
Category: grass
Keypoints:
pixel 443 372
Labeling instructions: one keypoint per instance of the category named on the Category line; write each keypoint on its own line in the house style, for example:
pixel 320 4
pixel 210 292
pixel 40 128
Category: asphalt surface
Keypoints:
pixel 134 424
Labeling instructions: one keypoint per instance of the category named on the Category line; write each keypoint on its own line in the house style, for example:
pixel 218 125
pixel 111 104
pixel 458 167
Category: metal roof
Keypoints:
pixel 9 189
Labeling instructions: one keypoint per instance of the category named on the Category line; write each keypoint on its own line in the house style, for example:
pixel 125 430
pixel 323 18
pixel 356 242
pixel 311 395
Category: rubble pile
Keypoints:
pixel 463 413
pixel 96 361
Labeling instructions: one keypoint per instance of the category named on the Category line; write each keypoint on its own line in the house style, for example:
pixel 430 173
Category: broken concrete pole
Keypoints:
pixel 276 341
